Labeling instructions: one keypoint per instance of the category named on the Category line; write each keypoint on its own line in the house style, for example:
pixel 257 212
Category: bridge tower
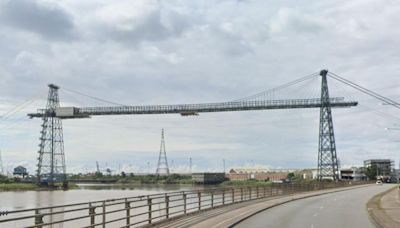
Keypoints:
pixel 51 162
pixel 1 165
pixel 327 159
pixel 162 166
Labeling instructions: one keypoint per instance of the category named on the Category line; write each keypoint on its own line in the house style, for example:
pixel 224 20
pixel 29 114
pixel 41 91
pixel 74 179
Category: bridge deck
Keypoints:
pixel 192 109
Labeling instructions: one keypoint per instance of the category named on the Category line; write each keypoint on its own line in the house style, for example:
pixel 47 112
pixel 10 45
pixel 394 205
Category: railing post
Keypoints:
pixel 104 214
pixel 149 208
pixel 250 193
pixel 92 214
pixel 223 197
pixel 233 195
pixel 257 192
pixel 166 206
pixel 264 190
pixel 241 194
pixel 199 200
pixel 128 211
pixel 38 219
pixel 212 199
pixel 184 203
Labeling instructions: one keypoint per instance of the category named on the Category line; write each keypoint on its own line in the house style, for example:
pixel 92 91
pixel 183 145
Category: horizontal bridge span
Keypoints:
pixel 191 109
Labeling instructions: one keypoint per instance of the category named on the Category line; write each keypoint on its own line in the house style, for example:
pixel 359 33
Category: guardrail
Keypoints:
pixel 146 210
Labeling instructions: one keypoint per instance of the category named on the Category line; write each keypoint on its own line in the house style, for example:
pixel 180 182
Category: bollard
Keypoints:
pixel 38 219
pixel 128 211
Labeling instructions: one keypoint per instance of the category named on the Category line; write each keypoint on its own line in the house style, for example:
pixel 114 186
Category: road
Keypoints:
pixel 341 209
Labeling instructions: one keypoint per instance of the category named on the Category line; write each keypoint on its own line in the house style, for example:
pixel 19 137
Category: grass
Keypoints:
pixel 18 187
pixel 27 187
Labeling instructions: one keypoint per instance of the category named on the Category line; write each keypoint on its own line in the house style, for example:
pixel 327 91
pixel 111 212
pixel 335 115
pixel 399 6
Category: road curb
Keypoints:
pixel 373 206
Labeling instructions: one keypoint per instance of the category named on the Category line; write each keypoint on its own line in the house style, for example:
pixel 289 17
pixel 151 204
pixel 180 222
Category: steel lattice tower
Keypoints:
pixel 327 159
pixel 162 166
pixel 51 163
pixel 1 165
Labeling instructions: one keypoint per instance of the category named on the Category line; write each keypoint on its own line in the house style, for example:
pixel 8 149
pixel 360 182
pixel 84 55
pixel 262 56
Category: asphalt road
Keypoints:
pixel 341 209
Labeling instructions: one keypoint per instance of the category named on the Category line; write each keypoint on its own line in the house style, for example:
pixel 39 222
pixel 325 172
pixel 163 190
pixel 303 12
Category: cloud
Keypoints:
pixel 40 17
pixel 168 52
pixel 139 21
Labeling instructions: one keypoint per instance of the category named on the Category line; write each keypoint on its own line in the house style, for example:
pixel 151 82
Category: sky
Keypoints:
pixel 142 52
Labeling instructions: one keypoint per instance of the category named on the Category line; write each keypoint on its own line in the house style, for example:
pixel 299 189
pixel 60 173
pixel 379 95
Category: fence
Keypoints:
pixel 146 210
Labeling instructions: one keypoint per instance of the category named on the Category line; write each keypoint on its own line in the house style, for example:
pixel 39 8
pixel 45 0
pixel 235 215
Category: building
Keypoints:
pixel 384 167
pixel 395 177
pixel 257 174
pixel 353 174
pixel 208 178
pixel 20 171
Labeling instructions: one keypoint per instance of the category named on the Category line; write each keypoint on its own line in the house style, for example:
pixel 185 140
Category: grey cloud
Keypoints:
pixel 155 25
pixel 45 19
pixel 184 53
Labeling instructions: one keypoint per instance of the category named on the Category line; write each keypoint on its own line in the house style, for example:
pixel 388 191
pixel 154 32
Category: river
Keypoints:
pixel 16 200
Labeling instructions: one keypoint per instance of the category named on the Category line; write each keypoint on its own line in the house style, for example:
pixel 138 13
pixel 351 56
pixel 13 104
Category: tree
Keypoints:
pixel 123 174
pixel 290 176
pixel 371 172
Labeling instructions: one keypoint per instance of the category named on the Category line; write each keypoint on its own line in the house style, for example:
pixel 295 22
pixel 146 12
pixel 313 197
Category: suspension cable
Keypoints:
pixel 92 97
pixel 302 79
pixel 365 90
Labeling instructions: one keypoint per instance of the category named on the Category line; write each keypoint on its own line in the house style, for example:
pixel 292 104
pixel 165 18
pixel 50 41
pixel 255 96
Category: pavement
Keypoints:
pixel 339 209
pixel 292 205
pixel 385 208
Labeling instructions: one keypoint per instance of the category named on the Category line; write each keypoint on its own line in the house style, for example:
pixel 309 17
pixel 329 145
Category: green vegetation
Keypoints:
pixel 11 184
pixel 154 179
pixel 18 187
pixel 132 179
pixel 371 172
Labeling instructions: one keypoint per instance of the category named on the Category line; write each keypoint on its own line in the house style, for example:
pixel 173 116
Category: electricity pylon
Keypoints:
pixel 1 165
pixel 162 166
pixel 51 162
pixel 327 158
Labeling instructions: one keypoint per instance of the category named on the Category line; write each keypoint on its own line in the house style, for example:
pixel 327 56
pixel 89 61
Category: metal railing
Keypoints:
pixel 144 210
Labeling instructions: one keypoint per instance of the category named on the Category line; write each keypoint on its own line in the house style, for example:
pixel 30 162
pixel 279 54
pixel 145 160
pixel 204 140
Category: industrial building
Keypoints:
pixel 208 178
pixel 20 171
pixel 384 167
pixel 353 174
pixel 257 174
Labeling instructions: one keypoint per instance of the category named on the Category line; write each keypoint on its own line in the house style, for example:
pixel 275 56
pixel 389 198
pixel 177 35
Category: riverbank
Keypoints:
pixel 18 187
pixel 27 187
